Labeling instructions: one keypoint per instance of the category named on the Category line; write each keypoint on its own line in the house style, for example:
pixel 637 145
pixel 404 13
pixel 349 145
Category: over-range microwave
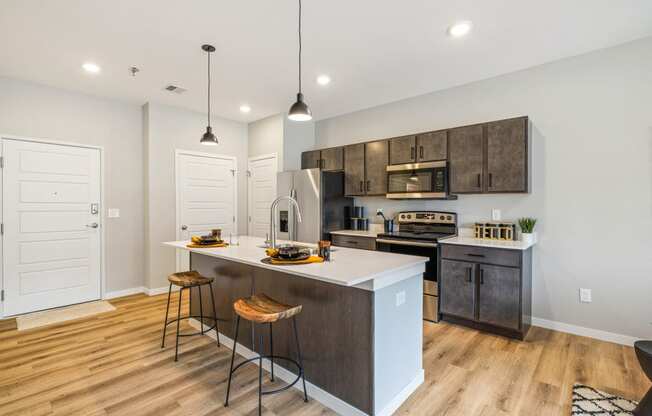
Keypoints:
pixel 427 180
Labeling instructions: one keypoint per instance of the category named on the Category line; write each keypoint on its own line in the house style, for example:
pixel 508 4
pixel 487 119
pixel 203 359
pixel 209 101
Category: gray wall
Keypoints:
pixel 35 111
pixel 266 137
pixel 169 128
pixel 592 166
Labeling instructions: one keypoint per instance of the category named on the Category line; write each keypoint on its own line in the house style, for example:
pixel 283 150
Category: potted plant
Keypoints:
pixel 527 230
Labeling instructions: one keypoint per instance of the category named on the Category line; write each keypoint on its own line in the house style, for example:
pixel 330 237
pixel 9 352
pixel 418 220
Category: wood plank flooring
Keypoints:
pixel 112 364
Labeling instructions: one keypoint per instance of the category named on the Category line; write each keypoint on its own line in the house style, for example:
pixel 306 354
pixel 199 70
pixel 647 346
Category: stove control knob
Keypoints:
pixel 441 217
pixel 402 216
pixel 409 216
pixel 449 218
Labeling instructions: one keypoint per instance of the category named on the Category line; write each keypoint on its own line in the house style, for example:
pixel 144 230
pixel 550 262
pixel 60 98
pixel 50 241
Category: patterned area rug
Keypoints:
pixel 589 401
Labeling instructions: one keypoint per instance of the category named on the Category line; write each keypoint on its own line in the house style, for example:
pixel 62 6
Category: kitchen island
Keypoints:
pixel 360 327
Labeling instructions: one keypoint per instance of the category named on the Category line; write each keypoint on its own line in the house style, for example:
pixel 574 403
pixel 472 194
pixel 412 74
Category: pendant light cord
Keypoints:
pixel 299 46
pixel 209 88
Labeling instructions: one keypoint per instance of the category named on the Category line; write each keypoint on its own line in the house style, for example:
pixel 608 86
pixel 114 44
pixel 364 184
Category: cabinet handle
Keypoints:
pixel 412 153
pixel 490 180
pixel 479 179
pixel 421 152
pixel 469 276
pixel 361 186
pixel 368 185
pixel 474 255
pixel 481 277
pixel 321 163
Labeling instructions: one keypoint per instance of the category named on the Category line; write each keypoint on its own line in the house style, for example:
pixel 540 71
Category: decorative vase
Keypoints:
pixel 529 238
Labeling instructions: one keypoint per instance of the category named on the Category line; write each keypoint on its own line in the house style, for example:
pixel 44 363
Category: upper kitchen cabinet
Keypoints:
pixel 507 160
pixel 402 150
pixel 424 147
pixel 311 159
pixel 376 160
pixel 465 158
pixel 432 146
pixel 332 159
pixel 354 169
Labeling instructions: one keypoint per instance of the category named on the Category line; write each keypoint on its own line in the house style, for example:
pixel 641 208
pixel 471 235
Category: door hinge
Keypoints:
pixel 234 218
pixel 2 228
pixel 2 295
pixel 2 162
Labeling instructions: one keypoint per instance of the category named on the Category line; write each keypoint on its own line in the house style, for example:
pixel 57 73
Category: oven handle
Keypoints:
pixel 406 243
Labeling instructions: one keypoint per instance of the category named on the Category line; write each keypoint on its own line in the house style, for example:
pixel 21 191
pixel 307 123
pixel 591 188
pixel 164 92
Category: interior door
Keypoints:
pixel 52 239
pixel 206 198
pixel 262 192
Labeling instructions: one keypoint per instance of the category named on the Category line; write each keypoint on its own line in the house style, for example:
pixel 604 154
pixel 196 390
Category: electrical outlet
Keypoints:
pixel 495 214
pixel 585 295
pixel 113 213
pixel 400 298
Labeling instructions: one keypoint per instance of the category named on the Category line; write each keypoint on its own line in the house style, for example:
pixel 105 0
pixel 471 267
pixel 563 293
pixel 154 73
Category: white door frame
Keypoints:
pixel 102 210
pixel 177 221
pixel 249 188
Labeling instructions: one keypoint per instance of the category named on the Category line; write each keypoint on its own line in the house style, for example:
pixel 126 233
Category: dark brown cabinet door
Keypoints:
pixel 332 159
pixel 402 150
pixel 432 146
pixel 376 159
pixel 465 156
pixel 354 181
pixel 457 295
pixel 311 159
pixel 499 296
pixel 507 156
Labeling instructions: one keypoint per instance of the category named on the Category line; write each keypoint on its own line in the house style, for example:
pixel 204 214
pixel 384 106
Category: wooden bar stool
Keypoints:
pixel 189 280
pixel 644 354
pixel 262 309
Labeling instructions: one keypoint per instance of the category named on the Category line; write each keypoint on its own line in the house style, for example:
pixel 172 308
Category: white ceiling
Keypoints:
pixel 376 51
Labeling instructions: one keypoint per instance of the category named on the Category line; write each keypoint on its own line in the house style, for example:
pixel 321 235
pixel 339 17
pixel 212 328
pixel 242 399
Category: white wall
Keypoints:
pixel 298 136
pixel 35 111
pixel 592 176
pixel 266 137
pixel 166 129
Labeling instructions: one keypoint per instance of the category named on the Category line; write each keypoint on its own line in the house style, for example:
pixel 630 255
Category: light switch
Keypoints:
pixel 114 213
pixel 400 298
pixel 585 295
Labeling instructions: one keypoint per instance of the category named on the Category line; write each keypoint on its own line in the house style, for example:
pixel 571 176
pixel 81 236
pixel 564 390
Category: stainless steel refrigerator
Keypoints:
pixel 324 207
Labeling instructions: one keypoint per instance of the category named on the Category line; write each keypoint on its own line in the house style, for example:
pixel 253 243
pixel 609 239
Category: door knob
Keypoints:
pixel 184 227
pixel 93 225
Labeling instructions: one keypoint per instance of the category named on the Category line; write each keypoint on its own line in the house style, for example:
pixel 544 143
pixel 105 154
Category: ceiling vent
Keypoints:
pixel 175 89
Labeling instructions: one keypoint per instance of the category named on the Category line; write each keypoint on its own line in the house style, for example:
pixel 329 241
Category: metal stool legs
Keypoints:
pixel 217 329
pixel 167 312
pixel 176 348
pixel 299 364
pixel 235 342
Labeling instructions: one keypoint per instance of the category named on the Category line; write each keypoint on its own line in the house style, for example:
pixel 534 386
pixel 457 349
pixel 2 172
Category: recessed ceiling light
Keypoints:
pixel 460 29
pixel 245 108
pixel 323 80
pixel 91 67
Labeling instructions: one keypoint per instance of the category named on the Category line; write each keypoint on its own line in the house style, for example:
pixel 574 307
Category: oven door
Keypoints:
pixel 417 180
pixel 423 249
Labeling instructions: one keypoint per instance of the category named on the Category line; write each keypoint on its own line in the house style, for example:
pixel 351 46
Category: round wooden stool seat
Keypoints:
pixel 263 309
pixel 189 279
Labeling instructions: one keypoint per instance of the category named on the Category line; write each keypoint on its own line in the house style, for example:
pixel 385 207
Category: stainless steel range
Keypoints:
pixel 418 233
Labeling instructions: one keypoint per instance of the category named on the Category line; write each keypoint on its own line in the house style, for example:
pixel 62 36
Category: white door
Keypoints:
pixel 206 198
pixel 52 242
pixel 262 192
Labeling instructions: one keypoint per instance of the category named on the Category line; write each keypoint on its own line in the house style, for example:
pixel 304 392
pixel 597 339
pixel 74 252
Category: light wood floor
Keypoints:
pixel 112 364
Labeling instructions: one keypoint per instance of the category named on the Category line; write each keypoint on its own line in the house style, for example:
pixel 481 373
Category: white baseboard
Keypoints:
pixel 160 290
pixel 337 405
pixel 124 292
pixel 397 401
pixel 585 332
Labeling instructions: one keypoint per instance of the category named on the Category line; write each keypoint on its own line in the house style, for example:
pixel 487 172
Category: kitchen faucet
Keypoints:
pixel 272 220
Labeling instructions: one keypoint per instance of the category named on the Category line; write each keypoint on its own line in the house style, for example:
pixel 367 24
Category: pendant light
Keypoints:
pixel 209 138
pixel 300 110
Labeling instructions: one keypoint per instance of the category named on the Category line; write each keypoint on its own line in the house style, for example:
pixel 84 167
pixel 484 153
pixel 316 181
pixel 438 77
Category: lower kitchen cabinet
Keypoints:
pixel 363 243
pixel 486 288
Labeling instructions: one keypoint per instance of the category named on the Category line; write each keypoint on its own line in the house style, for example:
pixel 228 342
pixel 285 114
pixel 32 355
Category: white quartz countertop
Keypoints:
pixel 470 241
pixel 356 233
pixel 365 269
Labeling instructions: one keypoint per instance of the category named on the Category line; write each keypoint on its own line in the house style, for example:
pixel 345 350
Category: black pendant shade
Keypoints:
pixel 209 138
pixel 300 110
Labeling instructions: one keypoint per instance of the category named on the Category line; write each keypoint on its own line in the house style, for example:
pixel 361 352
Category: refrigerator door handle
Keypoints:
pixel 292 223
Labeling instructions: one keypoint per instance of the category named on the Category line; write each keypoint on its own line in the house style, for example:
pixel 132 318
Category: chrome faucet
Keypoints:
pixel 271 242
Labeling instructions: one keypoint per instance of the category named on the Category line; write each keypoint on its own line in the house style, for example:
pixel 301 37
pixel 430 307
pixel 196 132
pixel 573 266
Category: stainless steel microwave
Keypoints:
pixel 418 180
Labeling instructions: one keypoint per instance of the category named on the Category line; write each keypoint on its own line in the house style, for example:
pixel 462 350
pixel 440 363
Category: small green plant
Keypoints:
pixel 527 224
